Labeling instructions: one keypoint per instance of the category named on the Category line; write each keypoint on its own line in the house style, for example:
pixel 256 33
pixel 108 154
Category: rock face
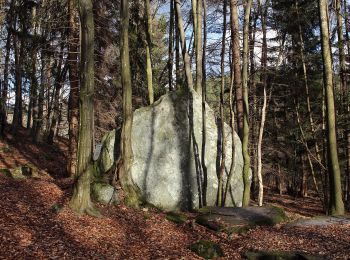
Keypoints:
pixel 168 163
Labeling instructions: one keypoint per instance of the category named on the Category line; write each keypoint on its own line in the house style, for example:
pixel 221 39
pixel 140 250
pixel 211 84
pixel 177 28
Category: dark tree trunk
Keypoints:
pixel 73 103
pixel 81 200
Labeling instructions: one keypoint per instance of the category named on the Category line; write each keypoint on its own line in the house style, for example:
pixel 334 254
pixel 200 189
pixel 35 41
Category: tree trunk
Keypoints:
pixel 186 57
pixel 126 154
pixel 343 75
pixel 81 201
pixel 204 100
pixel 59 78
pixel 222 115
pixel 336 201
pixel 73 102
pixel 177 52
pixel 148 43
pixel 199 48
pixel 171 46
pixel 4 92
pixel 236 57
pixel 245 142
pixel 18 110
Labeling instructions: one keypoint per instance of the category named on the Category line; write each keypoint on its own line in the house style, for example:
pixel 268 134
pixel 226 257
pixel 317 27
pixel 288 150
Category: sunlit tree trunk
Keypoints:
pixel 171 45
pixel 222 115
pixel 126 154
pixel 199 45
pixel 186 57
pixel 236 57
pixel 245 142
pixel 81 201
pixel 336 201
pixel 148 43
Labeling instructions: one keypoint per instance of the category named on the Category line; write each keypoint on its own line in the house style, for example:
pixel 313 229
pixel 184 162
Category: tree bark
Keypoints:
pixel 4 92
pixel 18 110
pixel 186 57
pixel 222 115
pixel 236 57
pixel 199 46
pixel 148 43
pixel 171 46
pixel 126 154
pixel 81 201
pixel 336 201
pixel 245 142
pixel 73 102
pixel 59 77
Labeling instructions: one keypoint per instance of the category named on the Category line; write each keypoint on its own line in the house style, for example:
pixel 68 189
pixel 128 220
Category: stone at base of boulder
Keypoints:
pixel 104 193
pixel 239 220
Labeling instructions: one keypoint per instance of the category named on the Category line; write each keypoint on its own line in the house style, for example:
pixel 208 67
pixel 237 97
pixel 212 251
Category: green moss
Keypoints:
pixel 133 196
pixel 207 249
pixel 204 210
pixel 176 217
pixel 57 208
pixel 213 225
pixel 238 229
pixel 6 172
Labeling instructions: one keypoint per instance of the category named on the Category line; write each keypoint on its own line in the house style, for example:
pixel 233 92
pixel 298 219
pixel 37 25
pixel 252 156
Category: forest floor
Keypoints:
pixel 36 223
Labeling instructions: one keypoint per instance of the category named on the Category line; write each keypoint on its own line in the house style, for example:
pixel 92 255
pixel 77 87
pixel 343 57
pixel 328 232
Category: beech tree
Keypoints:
pixel 336 205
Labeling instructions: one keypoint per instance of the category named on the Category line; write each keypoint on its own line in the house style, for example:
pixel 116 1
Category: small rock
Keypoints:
pixel 207 249
pixel 104 193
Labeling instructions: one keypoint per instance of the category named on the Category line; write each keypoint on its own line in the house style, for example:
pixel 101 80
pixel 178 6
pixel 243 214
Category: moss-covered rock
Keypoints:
pixel 208 222
pixel 104 193
pixel 207 249
pixel 176 217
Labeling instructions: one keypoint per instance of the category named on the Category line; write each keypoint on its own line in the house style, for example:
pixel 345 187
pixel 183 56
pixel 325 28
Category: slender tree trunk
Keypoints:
pixel 252 87
pixel 33 99
pixel 245 142
pixel 204 100
pixel 336 201
pixel 236 57
pixel 81 201
pixel 171 46
pixel 222 115
pixel 148 43
pixel 177 51
pixel 343 75
pixel 126 154
pixel 260 138
pixel 4 92
pixel 199 46
pixel 59 77
pixel 18 111
pixel 44 82
pixel 186 57
pixel 73 103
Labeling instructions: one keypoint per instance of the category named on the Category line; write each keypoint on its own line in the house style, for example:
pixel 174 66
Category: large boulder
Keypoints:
pixel 167 146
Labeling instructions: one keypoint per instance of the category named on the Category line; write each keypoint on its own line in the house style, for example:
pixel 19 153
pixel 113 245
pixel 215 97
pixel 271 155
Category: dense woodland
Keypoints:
pixel 276 71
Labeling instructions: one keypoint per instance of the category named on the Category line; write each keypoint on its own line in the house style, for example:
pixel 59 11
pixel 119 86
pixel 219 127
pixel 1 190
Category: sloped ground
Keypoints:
pixel 34 226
